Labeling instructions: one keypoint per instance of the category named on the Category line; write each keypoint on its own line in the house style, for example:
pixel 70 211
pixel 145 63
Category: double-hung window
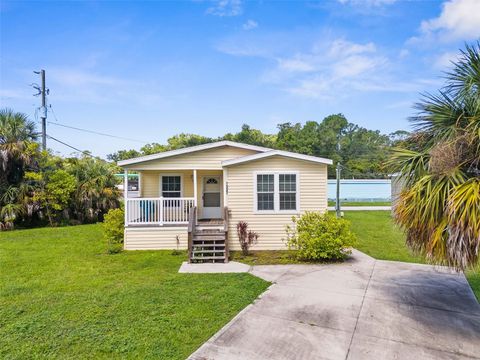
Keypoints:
pixel 265 192
pixel 172 186
pixel 288 191
pixel 276 192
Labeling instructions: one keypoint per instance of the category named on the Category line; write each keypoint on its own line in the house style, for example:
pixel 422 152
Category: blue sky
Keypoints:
pixel 149 70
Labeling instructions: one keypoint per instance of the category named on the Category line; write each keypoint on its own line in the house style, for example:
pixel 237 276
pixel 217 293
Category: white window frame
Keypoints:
pixel 167 175
pixel 276 192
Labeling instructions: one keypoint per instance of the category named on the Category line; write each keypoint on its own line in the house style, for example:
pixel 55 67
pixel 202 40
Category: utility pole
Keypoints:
pixel 338 171
pixel 42 91
pixel 337 202
pixel 43 113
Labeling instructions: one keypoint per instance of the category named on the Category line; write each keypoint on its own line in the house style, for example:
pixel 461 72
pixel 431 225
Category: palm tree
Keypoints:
pixel 96 191
pixel 439 207
pixel 17 148
pixel 17 134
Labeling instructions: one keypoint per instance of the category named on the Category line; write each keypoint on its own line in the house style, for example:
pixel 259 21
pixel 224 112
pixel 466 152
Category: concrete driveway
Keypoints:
pixel 361 309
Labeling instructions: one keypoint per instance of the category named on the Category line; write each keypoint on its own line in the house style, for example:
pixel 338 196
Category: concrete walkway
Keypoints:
pixel 217 268
pixel 360 309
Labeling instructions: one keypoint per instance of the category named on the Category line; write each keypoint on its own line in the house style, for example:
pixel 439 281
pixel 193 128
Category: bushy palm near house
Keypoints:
pixel 17 136
pixel 37 187
pixel 440 205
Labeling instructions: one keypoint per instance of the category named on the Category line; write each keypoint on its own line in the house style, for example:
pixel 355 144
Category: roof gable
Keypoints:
pixel 191 149
pixel 267 154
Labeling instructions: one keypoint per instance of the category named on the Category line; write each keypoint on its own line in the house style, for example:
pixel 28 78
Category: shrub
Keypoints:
pixel 318 236
pixel 245 237
pixel 113 230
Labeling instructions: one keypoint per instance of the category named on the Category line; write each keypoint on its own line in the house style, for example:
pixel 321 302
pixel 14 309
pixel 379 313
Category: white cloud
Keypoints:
pixel 403 53
pixel 356 65
pixel 226 8
pixel 295 65
pixel 329 68
pixel 250 25
pixel 445 60
pixel 459 20
pixel 367 3
pixel 341 47
pixel 88 86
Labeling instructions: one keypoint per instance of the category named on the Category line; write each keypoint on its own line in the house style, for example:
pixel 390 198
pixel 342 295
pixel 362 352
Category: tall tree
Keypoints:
pixel 248 135
pixel 17 136
pixel 440 205
pixel 17 149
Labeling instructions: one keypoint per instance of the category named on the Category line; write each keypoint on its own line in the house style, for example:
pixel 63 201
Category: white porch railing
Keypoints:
pixel 158 211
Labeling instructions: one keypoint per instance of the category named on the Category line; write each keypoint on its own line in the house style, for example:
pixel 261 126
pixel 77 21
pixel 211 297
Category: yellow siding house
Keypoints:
pixel 193 198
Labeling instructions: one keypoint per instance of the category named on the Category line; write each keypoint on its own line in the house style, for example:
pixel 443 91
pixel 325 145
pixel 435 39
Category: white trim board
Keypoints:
pixel 191 149
pixel 271 153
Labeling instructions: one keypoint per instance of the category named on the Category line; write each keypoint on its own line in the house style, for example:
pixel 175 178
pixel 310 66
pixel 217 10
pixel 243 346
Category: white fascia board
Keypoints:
pixel 271 153
pixel 190 149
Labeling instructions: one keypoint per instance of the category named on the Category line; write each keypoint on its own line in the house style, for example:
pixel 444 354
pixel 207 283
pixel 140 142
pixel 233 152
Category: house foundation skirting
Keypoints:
pixel 156 238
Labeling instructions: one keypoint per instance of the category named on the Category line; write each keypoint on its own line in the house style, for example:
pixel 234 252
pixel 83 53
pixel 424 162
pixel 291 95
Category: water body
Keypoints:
pixel 361 190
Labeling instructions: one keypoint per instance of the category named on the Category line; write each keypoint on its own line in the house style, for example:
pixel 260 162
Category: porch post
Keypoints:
pixel 125 194
pixel 195 187
pixel 225 188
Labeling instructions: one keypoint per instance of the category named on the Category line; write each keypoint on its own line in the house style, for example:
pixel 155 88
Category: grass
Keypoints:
pixel 61 296
pixel 361 203
pixel 267 257
pixel 380 238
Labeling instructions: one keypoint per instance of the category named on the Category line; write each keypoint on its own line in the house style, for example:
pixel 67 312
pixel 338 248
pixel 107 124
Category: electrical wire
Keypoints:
pixel 91 131
pixel 70 146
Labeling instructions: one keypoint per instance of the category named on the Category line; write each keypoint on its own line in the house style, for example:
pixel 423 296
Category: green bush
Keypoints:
pixel 113 229
pixel 318 236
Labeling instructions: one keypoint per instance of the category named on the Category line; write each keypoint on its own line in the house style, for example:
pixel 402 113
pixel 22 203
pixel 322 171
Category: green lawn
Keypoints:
pixel 380 238
pixel 361 203
pixel 61 296
pixel 267 257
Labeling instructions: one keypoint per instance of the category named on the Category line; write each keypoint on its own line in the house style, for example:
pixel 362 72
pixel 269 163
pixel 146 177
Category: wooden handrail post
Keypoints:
pixel 191 230
pixel 225 219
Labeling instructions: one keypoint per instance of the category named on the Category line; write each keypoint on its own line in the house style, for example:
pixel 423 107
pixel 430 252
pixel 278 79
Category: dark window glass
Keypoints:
pixel 171 186
pixel 265 201
pixel 287 188
pixel 265 183
pixel 211 199
pixel 265 192
pixel 288 201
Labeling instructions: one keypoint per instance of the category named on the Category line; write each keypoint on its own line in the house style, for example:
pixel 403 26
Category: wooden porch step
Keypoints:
pixel 204 251
pixel 219 229
pixel 208 238
pixel 209 245
pixel 208 257
pixel 208 231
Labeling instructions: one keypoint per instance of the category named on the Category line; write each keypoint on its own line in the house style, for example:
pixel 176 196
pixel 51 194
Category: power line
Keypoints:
pixel 70 146
pixel 96 132
pixel 92 131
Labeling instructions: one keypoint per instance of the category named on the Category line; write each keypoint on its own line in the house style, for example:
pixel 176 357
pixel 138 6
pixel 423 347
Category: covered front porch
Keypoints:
pixel 168 197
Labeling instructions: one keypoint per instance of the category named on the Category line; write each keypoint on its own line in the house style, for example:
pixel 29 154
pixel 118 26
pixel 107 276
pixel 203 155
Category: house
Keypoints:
pixel 194 197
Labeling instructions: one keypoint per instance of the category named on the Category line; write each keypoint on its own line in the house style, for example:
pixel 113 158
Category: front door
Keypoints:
pixel 211 197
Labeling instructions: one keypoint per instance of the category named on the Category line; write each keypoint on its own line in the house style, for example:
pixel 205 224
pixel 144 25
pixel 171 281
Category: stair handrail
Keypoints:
pixel 191 229
pixel 225 228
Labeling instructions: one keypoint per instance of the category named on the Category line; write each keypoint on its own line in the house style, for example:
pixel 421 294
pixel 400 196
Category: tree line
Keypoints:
pixel 39 188
pixel 361 151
